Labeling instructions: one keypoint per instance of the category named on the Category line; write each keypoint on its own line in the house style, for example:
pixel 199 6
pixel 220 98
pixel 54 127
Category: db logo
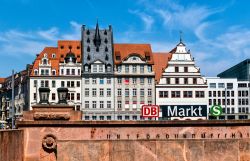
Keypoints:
pixel 150 111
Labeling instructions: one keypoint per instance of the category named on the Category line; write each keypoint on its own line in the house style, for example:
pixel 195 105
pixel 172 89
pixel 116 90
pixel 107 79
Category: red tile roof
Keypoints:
pixel 161 62
pixel 2 80
pixel 124 50
pixel 63 48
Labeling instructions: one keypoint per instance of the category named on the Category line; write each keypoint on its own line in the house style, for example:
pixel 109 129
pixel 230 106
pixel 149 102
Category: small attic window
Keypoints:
pixel 78 47
pixel 88 40
pixel 78 56
pixel 70 47
pixel 53 55
pixel 147 57
pixel 105 32
pixel 106 41
pixel 88 49
pixel 62 47
pixel 61 56
pixel 36 72
pixel 88 57
pixel 97 49
pixel 87 32
pixel 106 49
pixel 118 57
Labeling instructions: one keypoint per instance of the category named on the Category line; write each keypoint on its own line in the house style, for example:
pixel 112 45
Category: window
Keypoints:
pixel 134 80
pixel 101 104
pixel 119 117
pixel 101 92
pixel 46 72
pixel 62 71
pixel 53 84
pixel 108 92
pixel 194 80
pixel 119 80
pixel 214 93
pixel 134 92
pixel 44 61
pixel 86 80
pixel 141 68
pixel 86 117
pixel 94 92
pixel 230 85
pixel 187 94
pixel 119 92
pixel 109 68
pixel 175 94
pixel 149 68
pixel 228 93
pixel 35 83
pixel 73 71
pixel 134 117
pixel 176 80
pixel 86 68
pixel 94 68
pixel 149 80
pixel 210 93
pixel 108 104
pixel 68 83
pixel 93 117
pixel 141 80
pixel 93 104
pixel 72 96
pixel 53 96
pixel 78 96
pixel 232 93
pixel 101 117
pixel 34 96
pixel 86 92
pixel 185 80
pixel 86 104
pixel 72 83
pixel 101 81
pixel 223 93
pixel 46 83
pixel 93 80
pixel 199 94
pixel 119 68
pixel 62 84
pixel 149 92
pixel 126 68
pixel 126 92
pixel 142 92
pixel 212 85
pixel 168 80
pixel 232 101
pixel 186 69
pixel 221 85
pixel 149 102
pixel 163 94
pixel 79 71
pixel 78 83
pixel 126 117
pixel 108 117
pixel 210 101
pixel 53 72
pixel 36 72
pixel 219 93
pixel 108 80
pixel 119 104
pixel 67 72
pixel 101 68
pixel 134 68
pixel 176 69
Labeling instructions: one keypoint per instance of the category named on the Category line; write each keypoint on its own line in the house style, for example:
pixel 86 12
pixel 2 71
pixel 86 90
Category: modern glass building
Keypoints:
pixel 240 71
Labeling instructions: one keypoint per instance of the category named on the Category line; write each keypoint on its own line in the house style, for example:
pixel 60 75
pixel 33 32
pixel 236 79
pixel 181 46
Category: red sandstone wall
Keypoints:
pixel 11 145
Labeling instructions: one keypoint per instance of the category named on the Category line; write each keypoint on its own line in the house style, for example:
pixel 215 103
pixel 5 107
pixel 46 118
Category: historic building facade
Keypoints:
pixel 54 68
pixel 181 92
pixel 98 74
pixel 134 80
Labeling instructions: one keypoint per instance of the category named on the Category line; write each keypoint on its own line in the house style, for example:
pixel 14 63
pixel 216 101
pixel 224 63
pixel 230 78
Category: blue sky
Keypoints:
pixel 216 32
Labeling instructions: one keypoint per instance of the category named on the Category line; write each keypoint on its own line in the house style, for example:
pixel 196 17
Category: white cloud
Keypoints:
pixel 19 43
pixel 147 19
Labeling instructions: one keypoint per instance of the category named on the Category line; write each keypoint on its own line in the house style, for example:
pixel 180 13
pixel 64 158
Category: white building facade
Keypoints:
pixel 182 92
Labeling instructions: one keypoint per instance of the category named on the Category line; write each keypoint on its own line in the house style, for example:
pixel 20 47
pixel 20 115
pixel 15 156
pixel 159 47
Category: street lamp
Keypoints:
pixel 62 95
pixel 44 95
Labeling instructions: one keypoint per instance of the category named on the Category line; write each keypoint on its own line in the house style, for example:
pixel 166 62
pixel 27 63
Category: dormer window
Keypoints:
pixel 36 72
pixel 45 62
pixel 106 49
pixel 106 40
pixel 88 40
pixel 134 58
pixel 118 57
pixel 53 55
pixel 88 49
pixel 53 72
pixel 86 68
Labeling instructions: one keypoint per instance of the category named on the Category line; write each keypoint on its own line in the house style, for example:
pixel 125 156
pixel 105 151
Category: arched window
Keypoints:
pixel 45 62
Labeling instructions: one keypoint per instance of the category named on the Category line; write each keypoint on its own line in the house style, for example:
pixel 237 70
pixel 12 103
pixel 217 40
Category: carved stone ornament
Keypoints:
pixel 51 116
pixel 49 142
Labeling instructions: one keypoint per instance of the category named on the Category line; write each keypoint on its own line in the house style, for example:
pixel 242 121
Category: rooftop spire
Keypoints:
pixel 180 36
pixel 97 39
